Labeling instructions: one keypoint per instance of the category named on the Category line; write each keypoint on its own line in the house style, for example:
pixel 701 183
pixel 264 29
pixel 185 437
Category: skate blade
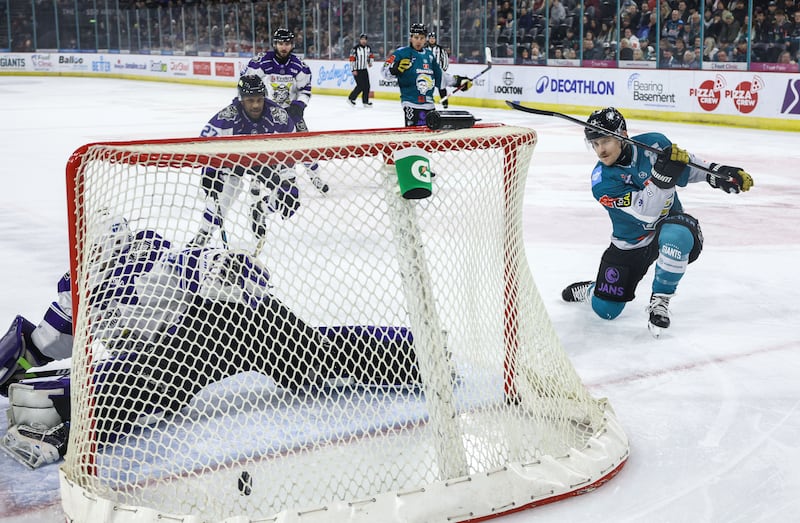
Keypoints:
pixel 655 330
pixel 24 460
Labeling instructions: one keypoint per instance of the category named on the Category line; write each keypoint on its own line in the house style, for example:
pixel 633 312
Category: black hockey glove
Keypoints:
pixel 400 67
pixel 737 179
pixel 463 83
pixel 669 166
pixel 296 110
pixel 284 199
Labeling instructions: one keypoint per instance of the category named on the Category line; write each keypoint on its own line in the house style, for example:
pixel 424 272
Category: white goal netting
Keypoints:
pixel 249 346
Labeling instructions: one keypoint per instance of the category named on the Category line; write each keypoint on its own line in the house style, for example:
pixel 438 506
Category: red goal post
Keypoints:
pixel 495 419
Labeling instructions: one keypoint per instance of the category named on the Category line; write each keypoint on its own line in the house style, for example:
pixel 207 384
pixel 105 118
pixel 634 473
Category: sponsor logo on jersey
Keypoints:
pixel 791 99
pixel 615 202
pixel 578 86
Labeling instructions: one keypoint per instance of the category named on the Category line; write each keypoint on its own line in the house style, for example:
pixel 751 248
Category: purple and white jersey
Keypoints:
pixel 53 335
pixel 232 120
pixel 285 82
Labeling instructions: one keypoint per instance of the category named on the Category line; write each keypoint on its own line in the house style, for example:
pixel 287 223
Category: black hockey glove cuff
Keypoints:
pixel 730 179
pixel 669 166
pixel 463 83
pixel 296 110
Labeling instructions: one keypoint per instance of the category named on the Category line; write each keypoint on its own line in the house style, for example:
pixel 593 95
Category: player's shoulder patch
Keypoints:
pixel 279 115
pixel 597 175
pixel 228 113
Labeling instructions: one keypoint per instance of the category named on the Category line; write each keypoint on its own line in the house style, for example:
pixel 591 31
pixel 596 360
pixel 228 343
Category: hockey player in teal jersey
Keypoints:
pixel 637 188
pixel 419 76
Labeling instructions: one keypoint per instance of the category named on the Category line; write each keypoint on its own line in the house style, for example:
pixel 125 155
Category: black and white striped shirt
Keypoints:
pixel 440 55
pixel 360 57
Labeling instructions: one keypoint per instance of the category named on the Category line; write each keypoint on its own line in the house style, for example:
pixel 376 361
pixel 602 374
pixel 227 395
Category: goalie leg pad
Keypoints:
pixel 18 353
pixel 35 446
pixel 40 402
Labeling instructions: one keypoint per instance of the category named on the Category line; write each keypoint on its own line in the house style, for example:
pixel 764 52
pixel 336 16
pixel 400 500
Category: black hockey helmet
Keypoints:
pixel 609 119
pixel 417 29
pixel 250 85
pixel 431 35
pixel 363 35
pixel 282 35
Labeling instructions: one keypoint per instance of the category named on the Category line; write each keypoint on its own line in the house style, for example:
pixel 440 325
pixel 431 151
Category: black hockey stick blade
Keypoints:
pixel 525 109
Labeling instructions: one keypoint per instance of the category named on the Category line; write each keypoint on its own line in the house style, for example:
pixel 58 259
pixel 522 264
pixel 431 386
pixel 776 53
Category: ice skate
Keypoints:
pixel 659 313
pixel 577 292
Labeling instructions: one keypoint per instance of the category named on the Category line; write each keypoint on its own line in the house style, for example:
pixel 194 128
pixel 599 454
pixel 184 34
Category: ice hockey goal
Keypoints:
pixel 391 359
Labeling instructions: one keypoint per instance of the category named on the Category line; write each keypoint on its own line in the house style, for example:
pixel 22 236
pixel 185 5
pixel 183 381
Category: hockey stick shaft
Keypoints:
pixel 542 112
pixel 472 79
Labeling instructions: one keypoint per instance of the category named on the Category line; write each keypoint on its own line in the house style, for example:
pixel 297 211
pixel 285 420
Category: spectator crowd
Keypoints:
pixel 675 33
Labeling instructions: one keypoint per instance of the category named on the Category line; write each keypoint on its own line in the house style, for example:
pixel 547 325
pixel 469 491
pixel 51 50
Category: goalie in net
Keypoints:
pixel 163 309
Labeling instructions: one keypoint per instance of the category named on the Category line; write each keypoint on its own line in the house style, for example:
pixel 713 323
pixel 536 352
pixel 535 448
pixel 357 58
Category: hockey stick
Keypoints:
pixel 484 71
pixel 542 112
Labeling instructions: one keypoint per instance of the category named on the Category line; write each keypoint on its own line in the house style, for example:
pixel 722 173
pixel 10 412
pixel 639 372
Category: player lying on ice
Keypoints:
pixel 173 321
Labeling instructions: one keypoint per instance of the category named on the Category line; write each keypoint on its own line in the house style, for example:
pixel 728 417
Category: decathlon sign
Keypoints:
pixel 574 86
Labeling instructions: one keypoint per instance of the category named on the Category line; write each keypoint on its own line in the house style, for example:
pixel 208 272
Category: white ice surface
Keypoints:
pixel 712 409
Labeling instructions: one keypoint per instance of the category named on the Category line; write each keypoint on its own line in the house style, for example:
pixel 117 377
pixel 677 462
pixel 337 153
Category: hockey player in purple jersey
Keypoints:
pixel 252 112
pixel 40 401
pixel 194 317
pixel 288 82
pixel 120 258
pixel 638 189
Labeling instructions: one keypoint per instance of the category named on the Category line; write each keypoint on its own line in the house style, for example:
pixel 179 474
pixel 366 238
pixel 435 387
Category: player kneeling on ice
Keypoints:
pixel 200 316
pixel 637 188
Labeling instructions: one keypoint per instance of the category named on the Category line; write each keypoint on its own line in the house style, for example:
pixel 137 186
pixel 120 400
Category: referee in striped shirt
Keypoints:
pixel 440 54
pixel 360 59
